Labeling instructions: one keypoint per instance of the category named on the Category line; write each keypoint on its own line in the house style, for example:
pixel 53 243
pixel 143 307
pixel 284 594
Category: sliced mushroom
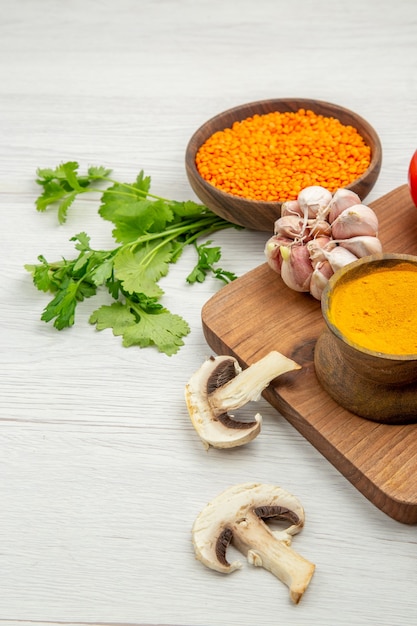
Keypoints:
pixel 237 516
pixel 220 385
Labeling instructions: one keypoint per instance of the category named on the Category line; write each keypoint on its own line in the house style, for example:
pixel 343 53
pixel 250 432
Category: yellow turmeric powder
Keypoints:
pixel 271 157
pixel 377 311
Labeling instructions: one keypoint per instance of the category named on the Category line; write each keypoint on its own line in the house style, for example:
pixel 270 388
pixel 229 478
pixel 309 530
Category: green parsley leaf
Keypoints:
pixel 98 173
pixel 42 277
pixel 207 257
pixel 116 316
pixel 139 327
pixel 62 307
pixel 140 270
pixel 133 216
pixel 83 241
pixel 62 185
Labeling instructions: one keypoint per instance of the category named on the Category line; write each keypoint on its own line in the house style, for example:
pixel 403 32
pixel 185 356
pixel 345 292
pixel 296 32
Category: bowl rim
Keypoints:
pixel 194 143
pixel 343 274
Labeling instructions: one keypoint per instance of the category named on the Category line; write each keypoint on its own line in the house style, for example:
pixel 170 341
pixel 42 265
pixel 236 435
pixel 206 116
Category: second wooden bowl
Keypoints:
pixel 378 386
pixel 257 215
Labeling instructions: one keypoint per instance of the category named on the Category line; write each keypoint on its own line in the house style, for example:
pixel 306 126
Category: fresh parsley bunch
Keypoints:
pixel 151 233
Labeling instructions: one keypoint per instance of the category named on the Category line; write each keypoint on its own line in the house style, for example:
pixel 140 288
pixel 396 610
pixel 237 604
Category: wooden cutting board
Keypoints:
pixel 258 313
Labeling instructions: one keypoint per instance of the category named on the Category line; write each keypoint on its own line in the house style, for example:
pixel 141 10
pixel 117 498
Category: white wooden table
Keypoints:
pixel 102 474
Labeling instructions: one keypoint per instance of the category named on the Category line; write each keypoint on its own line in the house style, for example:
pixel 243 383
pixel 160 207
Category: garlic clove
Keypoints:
pixel 314 200
pixel 319 278
pixel 315 249
pixel 289 226
pixel 362 245
pixel 342 199
pixel 273 253
pixel 339 257
pixel 291 207
pixel 296 268
pixel 319 227
pixel 355 220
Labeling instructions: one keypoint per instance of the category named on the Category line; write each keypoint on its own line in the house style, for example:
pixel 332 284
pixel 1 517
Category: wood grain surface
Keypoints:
pixel 258 313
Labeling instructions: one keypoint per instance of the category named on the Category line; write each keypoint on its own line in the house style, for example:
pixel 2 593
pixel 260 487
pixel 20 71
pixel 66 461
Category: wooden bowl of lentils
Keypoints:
pixel 244 163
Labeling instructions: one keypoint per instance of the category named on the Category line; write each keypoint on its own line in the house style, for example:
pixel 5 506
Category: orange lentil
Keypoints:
pixel 271 157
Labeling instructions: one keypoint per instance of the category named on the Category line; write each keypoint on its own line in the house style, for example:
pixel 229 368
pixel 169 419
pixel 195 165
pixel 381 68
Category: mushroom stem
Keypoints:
pixel 263 549
pixel 249 383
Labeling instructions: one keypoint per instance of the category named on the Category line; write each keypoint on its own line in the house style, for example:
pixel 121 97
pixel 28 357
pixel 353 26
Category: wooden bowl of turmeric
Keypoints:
pixel 245 162
pixel 366 357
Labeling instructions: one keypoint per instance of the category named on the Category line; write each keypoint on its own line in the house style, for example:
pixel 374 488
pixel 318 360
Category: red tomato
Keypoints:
pixel 412 177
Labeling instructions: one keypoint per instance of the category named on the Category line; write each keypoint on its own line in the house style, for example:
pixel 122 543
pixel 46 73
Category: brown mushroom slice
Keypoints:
pixel 237 516
pixel 220 385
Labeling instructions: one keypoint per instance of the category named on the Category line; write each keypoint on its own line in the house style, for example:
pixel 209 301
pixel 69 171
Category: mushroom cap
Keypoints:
pixel 216 428
pixel 214 527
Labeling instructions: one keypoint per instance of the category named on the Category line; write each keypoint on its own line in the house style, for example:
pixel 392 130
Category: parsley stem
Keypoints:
pixel 203 226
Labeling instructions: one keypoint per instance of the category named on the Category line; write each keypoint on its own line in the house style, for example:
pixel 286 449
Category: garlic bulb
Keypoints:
pixel 319 233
